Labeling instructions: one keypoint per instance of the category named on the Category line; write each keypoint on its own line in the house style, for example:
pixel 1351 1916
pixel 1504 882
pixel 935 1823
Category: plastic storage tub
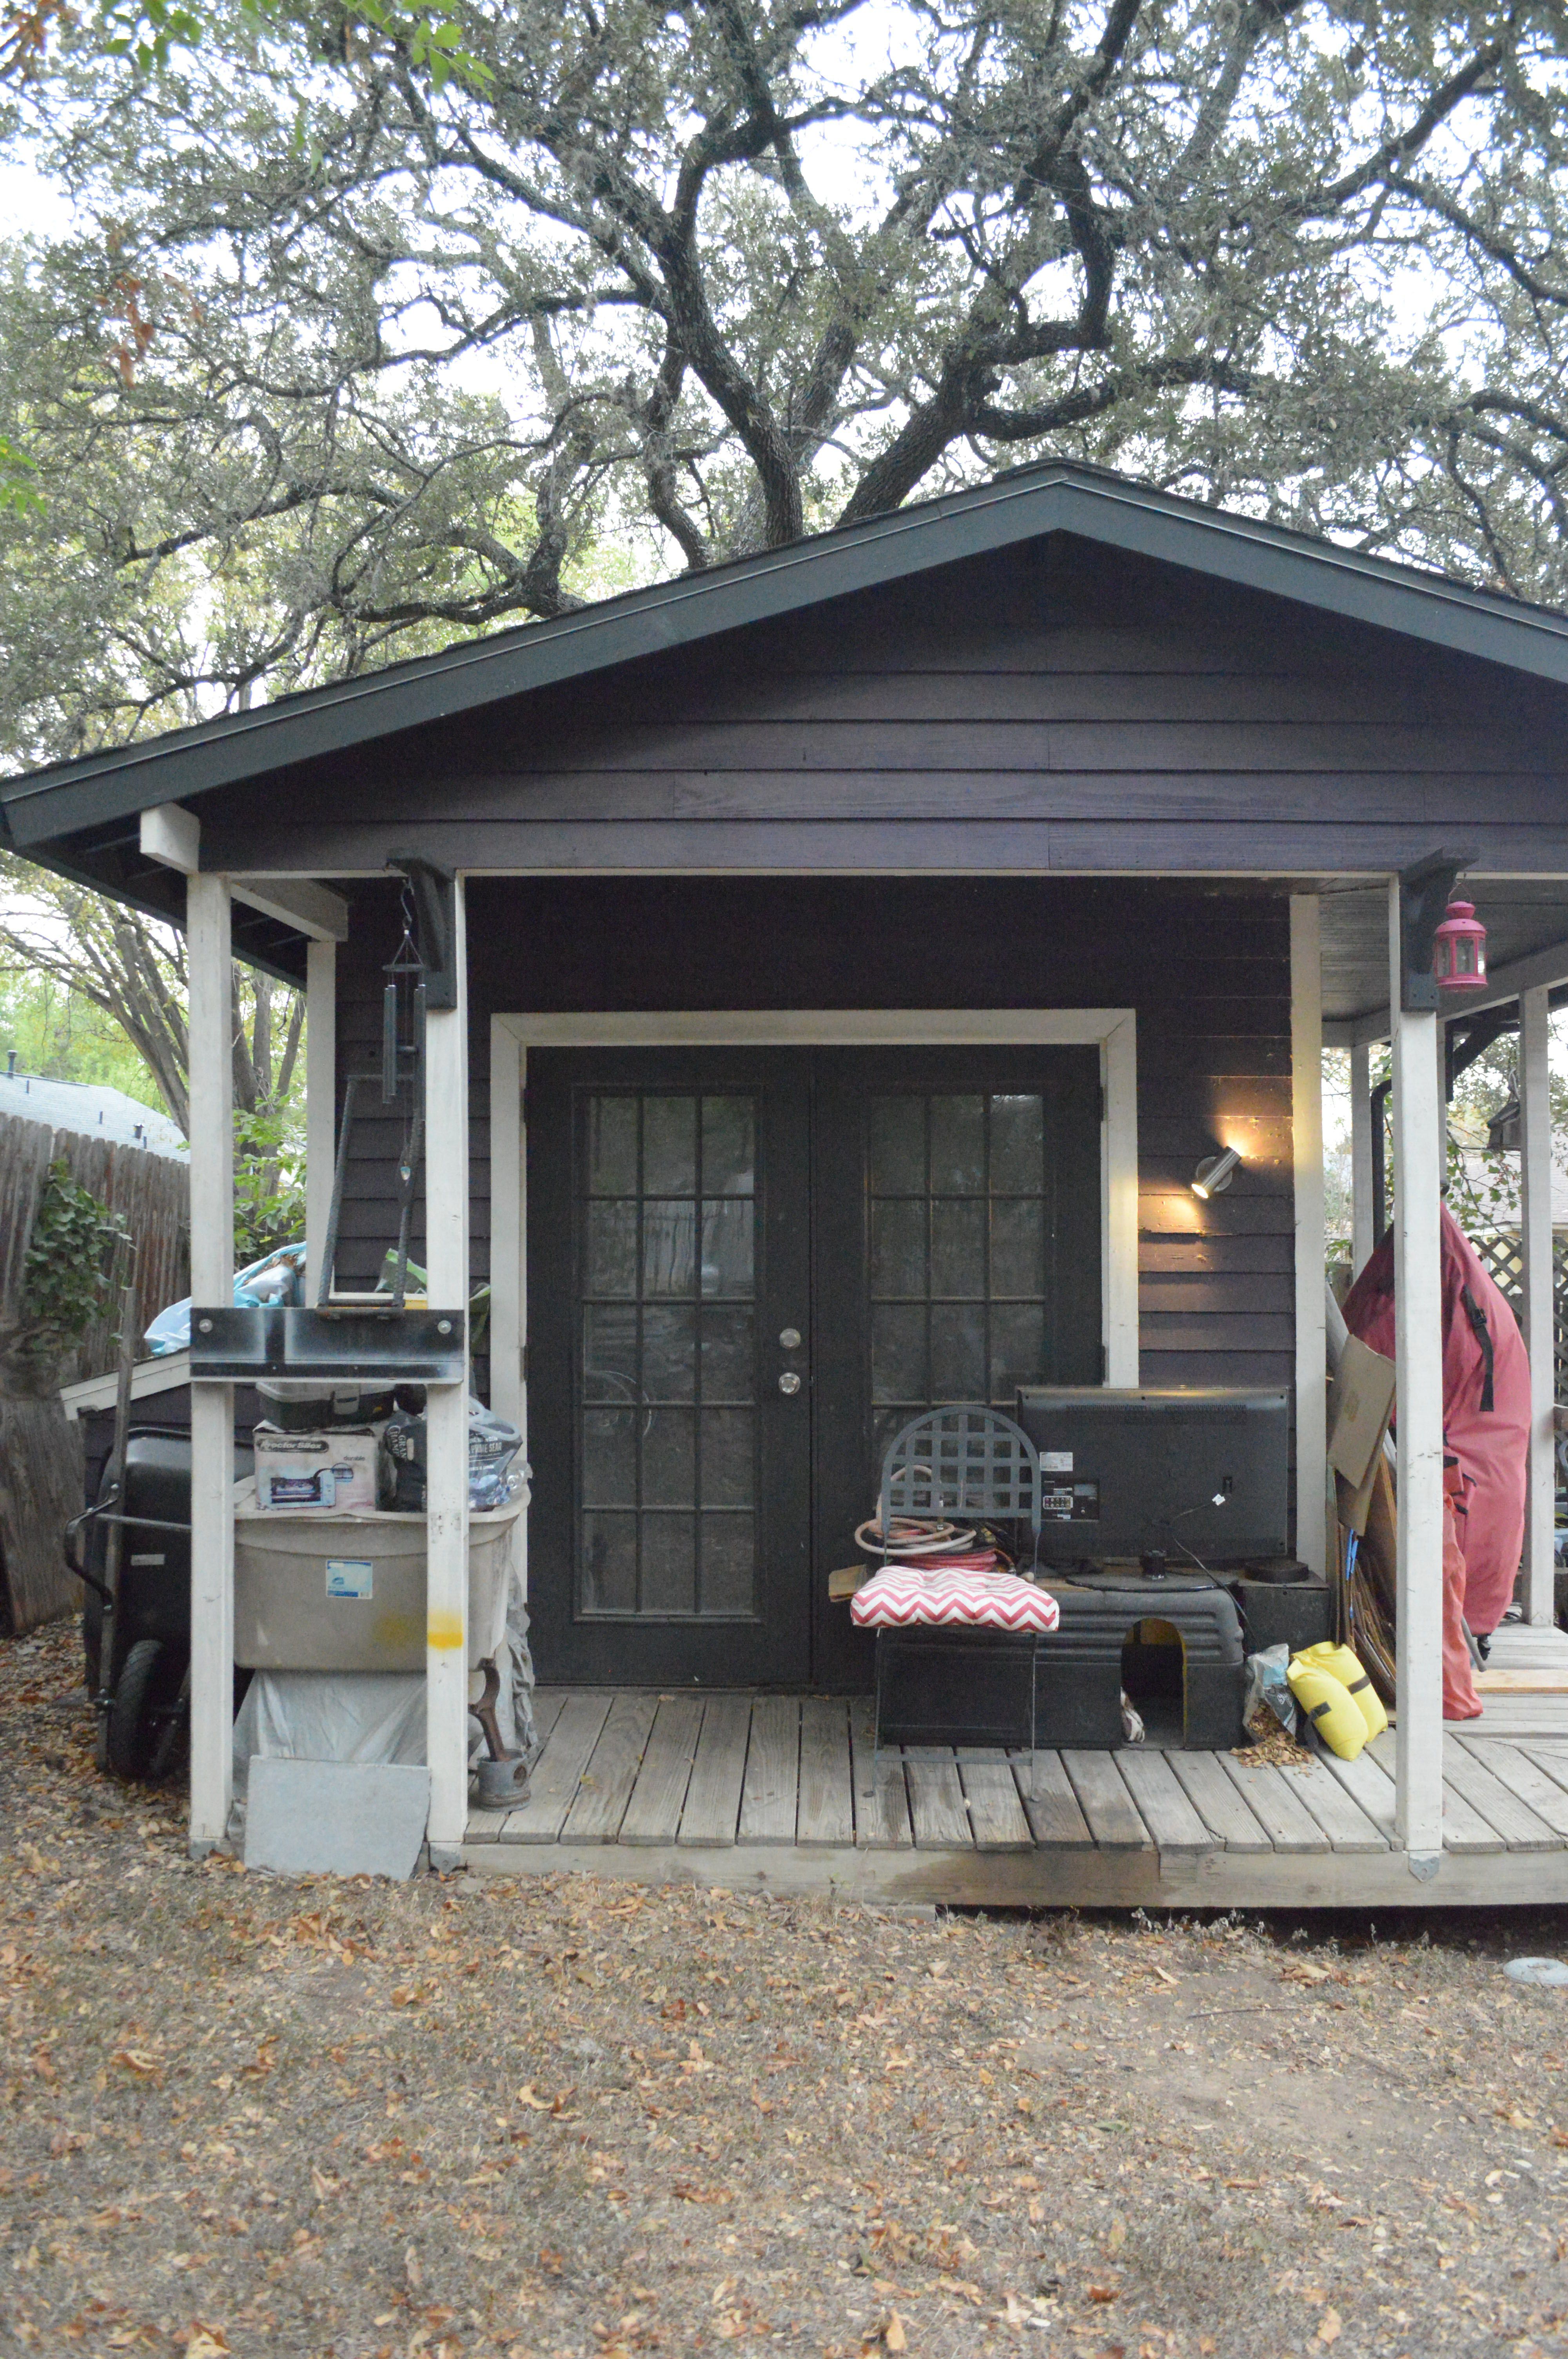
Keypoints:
pixel 320 1593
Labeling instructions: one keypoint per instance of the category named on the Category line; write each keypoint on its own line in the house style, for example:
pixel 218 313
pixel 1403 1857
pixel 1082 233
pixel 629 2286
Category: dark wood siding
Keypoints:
pixel 1206 969
pixel 1062 706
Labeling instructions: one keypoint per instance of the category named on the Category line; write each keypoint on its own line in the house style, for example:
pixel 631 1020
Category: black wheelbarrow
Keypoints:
pixel 131 1550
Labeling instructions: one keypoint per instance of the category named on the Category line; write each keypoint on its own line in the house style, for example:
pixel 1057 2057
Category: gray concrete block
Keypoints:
pixel 335 1818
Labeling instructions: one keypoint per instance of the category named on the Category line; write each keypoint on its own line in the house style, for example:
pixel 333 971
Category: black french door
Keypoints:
pixel 747 1269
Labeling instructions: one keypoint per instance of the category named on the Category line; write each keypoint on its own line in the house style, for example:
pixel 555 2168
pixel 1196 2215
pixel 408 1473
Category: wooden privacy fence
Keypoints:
pixel 41 1451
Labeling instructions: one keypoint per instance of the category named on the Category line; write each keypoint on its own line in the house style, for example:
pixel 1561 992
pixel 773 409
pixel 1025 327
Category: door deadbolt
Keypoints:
pixel 789 1337
pixel 789 1383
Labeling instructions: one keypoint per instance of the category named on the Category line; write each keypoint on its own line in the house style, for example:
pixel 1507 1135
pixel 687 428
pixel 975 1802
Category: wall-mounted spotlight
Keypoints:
pixel 1215 1174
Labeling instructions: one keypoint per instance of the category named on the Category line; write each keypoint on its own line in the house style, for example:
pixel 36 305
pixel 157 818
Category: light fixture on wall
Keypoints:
pixel 1215 1174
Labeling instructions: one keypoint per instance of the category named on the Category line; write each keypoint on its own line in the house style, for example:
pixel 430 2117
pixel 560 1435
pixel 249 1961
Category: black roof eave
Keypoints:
pixel 41 807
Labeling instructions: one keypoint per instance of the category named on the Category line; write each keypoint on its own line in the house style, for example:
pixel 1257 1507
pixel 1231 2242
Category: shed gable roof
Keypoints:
pixel 39 807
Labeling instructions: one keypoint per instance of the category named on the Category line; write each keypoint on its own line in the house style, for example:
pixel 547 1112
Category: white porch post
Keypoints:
pixel 1306 1133
pixel 1418 1352
pixel 447 1532
pixel 1535 1223
pixel 211 1404
pixel 1363 1225
pixel 320 1107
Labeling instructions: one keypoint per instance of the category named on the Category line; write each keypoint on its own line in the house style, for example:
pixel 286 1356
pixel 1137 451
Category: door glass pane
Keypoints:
pixel 613 1148
pixel 670 1354
pixel 669 1146
pixel 727 1248
pixel 958 1252
pixel 666 1392
pixel 729 1354
pixel 898 1250
pixel 957 1146
pixel 669 1247
pixel 612 1249
pixel 728 1147
pixel 958 1249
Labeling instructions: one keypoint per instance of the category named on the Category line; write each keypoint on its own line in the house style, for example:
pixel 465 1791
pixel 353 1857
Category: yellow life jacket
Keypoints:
pixel 1329 1705
pixel 1345 1666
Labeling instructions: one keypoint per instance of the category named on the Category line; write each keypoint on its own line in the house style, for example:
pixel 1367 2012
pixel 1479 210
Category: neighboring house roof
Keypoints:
pixel 92 1109
pixel 39 807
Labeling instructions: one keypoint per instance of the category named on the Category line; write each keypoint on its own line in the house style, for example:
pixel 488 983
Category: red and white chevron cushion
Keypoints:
pixel 902 1595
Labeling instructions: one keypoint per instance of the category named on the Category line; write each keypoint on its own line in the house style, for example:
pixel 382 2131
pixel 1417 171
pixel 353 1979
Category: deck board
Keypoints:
pixel 653 1815
pixel 1162 1803
pixel 1049 1802
pixel 827 1810
pixel 773 1772
pixel 596 1814
pixel 1343 1820
pixel 1106 1804
pixel 882 1794
pixel 777 1793
pixel 1278 1807
pixel 1521 1827
pixel 1464 1828
pixel 713 1797
pixel 996 1813
pixel 1546 1795
pixel 1222 1811
pixel 1369 1786
pixel 936 1803
pixel 558 1774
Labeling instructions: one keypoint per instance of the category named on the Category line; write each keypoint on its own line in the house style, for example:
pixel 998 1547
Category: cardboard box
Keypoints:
pixel 1364 1401
pixel 315 1474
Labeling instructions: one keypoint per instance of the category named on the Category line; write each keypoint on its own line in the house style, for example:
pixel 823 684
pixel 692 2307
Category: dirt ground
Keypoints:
pixel 559 2117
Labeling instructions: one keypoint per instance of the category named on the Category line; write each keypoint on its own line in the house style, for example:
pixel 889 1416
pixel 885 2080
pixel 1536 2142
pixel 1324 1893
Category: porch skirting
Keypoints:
pixel 778 1794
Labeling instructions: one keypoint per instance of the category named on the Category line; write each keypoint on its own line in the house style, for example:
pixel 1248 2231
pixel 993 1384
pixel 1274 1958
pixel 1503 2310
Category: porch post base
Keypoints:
pixel 446 1858
pixel 1424 1864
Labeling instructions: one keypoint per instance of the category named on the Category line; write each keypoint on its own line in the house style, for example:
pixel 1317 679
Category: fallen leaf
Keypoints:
pixel 138 2060
pixel 1328 2327
pixel 893 2335
pixel 525 2097
pixel 1103 2293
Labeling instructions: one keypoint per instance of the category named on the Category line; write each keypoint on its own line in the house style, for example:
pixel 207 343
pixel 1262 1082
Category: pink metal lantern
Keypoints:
pixel 1459 949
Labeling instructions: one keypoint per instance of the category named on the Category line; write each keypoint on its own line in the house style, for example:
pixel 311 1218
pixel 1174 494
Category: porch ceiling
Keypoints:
pixel 1522 916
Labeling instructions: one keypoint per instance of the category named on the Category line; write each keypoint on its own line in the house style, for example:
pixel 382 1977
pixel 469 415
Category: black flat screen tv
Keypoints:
pixel 1202 1473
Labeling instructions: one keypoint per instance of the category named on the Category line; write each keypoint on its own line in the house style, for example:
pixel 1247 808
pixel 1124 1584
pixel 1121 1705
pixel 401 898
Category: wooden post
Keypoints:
pixel 1363 1226
pixel 1539 1306
pixel 1306 1133
pixel 447 1513
pixel 1418 1352
pixel 321 1101
pixel 211 1404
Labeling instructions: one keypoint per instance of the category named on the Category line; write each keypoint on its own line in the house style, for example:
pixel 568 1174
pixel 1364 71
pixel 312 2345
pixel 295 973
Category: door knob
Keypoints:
pixel 789 1383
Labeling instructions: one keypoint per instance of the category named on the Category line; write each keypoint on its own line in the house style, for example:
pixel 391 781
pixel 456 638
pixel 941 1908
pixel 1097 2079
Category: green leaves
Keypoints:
pixel 16 492
pixel 146 33
pixel 69 1263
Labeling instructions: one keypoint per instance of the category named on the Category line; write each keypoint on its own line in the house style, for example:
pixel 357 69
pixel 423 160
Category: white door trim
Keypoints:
pixel 1114 1031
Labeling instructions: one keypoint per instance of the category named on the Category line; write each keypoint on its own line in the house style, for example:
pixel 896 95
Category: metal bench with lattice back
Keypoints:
pixel 969 1464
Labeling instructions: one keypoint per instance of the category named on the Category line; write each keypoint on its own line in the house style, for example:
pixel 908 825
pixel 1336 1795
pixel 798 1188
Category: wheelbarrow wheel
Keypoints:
pixel 145 1692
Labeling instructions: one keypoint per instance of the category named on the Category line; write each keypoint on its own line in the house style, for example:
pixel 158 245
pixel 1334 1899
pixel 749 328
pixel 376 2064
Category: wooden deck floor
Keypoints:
pixel 777 1792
